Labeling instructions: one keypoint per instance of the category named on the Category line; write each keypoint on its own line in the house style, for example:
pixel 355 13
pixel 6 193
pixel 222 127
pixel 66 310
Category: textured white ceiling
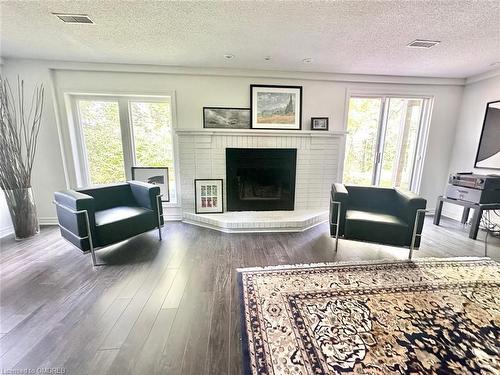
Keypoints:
pixel 367 37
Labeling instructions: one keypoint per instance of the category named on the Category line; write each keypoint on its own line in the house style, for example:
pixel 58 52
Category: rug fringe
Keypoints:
pixel 360 262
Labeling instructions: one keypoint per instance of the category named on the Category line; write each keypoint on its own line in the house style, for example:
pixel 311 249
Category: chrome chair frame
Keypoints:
pixel 89 232
pixel 415 235
pixel 339 207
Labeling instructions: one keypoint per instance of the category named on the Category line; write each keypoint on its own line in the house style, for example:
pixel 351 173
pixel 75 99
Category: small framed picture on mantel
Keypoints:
pixel 319 123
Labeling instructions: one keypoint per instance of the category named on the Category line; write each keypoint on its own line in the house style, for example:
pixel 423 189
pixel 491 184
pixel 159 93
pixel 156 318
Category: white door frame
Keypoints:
pixel 422 136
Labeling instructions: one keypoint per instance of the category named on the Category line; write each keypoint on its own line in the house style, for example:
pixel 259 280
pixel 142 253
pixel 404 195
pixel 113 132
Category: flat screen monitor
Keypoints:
pixel 488 152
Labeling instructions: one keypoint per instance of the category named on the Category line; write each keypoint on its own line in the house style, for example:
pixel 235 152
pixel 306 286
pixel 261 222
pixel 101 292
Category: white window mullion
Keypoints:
pixel 379 154
pixel 127 137
pixel 79 152
pixel 420 149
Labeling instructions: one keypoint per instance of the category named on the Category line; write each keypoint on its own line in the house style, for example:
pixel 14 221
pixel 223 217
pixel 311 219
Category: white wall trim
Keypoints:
pixel 482 76
pixel 48 220
pixel 59 125
pixel 261 133
pixel 249 73
pixel 4 232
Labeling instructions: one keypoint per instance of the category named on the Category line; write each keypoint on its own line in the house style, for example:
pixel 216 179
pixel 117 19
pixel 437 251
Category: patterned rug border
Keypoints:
pixel 247 367
pixel 360 263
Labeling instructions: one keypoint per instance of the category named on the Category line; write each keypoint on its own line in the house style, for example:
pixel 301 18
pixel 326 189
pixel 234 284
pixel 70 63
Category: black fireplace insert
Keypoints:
pixel 260 179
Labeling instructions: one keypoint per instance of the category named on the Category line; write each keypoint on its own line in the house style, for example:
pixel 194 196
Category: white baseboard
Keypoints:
pixel 172 217
pixel 47 220
pixel 53 220
pixel 4 232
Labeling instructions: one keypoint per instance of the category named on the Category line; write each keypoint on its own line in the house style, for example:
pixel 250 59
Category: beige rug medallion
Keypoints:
pixel 437 316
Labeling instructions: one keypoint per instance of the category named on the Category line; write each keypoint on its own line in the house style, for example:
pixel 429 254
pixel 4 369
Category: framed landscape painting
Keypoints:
pixel 276 107
pixel 153 175
pixel 226 118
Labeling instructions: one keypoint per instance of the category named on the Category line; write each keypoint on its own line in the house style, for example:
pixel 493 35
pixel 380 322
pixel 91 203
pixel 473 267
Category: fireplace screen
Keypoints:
pixel 260 179
pixel 261 184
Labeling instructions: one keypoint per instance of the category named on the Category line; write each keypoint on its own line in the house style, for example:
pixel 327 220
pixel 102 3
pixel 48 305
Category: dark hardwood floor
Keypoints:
pixel 167 307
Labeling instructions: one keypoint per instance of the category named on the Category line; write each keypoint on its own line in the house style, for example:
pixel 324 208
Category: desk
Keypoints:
pixel 478 212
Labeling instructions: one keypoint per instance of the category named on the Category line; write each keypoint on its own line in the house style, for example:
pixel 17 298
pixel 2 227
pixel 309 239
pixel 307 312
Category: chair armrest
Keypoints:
pixel 338 194
pixel 75 200
pixel 146 195
pixel 408 204
pixel 70 207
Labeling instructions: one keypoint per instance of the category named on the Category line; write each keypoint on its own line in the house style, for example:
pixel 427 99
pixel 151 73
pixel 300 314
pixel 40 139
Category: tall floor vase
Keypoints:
pixel 22 210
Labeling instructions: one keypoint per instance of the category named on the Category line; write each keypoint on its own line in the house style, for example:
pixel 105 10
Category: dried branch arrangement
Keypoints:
pixel 19 127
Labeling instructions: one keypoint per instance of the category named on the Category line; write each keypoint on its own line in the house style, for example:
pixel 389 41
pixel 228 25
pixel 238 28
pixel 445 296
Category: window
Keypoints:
pixel 100 124
pixel 386 139
pixel 115 133
pixel 152 137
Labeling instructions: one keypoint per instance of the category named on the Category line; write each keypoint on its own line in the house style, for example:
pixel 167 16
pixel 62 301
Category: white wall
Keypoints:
pixel 472 109
pixel 323 95
pixel 5 221
pixel 48 174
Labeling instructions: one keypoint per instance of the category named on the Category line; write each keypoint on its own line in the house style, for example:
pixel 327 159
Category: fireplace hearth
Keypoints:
pixel 260 179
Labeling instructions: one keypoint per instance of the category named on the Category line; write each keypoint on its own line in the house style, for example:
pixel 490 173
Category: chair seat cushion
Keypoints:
pixel 119 223
pixel 376 227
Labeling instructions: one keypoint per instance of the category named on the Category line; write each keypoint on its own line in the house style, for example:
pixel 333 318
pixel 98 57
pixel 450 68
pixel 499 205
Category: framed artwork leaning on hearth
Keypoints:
pixel 209 196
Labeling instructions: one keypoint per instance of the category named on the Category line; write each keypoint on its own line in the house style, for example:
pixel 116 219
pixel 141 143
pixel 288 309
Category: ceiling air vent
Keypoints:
pixel 74 18
pixel 420 43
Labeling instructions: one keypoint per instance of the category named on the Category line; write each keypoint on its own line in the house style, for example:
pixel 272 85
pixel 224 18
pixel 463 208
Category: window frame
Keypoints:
pixel 126 127
pixel 422 136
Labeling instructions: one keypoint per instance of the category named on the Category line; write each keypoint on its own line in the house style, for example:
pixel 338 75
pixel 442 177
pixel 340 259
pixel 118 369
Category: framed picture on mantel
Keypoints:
pixel 226 118
pixel 276 107
pixel 319 123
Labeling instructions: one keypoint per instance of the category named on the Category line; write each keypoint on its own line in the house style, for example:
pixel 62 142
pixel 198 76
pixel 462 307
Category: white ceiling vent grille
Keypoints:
pixel 74 18
pixel 420 43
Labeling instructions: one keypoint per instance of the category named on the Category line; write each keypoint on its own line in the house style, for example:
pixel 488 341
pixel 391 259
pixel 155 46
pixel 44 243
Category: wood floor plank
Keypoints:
pixel 148 360
pixel 141 330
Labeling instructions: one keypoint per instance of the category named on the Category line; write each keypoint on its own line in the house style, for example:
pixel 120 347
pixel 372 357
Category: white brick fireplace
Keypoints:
pixel 202 154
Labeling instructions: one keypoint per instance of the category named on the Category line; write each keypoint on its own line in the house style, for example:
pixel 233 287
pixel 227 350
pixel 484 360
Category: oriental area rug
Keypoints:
pixel 434 316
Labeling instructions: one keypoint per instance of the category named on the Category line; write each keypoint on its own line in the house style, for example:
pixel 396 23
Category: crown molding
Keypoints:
pixel 483 76
pixel 247 73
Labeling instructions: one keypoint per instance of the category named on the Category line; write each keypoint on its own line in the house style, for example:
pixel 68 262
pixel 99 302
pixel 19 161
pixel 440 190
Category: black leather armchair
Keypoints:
pixel 99 216
pixel 373 214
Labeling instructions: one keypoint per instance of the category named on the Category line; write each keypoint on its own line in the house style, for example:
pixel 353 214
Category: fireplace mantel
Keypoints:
pixel 261 133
